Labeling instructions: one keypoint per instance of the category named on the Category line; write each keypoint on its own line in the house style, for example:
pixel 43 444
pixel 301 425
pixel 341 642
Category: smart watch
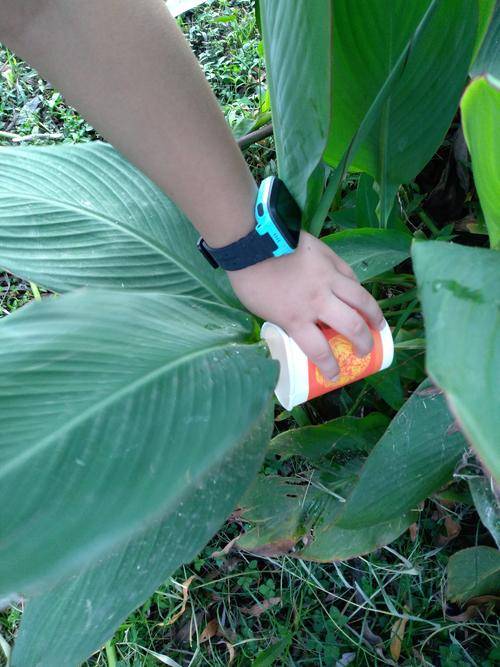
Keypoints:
pixel 276 232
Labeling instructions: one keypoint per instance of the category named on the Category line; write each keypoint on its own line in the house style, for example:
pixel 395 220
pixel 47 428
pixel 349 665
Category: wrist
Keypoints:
pixel 274 231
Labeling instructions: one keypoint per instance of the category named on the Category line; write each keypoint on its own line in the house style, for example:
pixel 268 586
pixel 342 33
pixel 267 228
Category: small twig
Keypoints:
pixel 9 135
pixel 255 136
pixel 18 138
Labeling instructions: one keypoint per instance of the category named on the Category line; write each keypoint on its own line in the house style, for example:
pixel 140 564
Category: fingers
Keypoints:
pixel 315 346
pixel 344 268
pixel 354 295
pixel 344 319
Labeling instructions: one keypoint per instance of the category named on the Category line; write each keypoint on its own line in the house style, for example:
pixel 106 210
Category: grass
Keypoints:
pixel 241 609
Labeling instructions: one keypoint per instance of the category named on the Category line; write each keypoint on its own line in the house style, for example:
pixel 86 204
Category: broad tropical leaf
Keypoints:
pixel 423 99
pixel 486 502
pixel 346 508
pixel 370 251
pixel 358 434
pixel 488 58
pixel 480 121
pixel 297 39
pixel 113 407
pixel 473 572
pixel 459 291
pixel 297 516
pixel 63 626
pixel 73 216
pixel 415 456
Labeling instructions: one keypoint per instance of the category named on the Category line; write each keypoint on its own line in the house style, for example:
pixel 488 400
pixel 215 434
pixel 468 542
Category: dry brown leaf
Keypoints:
pixel 397 634
pixel 226 550
pixel 466 615
pixel 370 636
pixel 484 599
pixel 473 607
pixel 259 608
pixel 278 548
pixel 452 528
pixel 413 529
pixel 211 629
pixel 185 595
pixel 232 652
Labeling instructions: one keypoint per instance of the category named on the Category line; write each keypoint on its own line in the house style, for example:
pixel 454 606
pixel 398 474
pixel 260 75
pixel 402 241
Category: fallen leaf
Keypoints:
pixel 466 615
pixel 185 595
pixel 259 608
pixel 372 638
pixel 473 607
pixel 452 528
pixel 397 634
pixel 210 630
pixel 484 599
pixel 413 529
pixel 278 548
pixel 226 550
pixel 232 652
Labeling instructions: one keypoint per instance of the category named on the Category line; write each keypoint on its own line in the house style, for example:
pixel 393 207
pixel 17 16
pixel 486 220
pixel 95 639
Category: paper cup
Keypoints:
pixel 300 380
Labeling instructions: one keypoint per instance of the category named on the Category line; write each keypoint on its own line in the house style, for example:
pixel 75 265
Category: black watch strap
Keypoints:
pixel 250 249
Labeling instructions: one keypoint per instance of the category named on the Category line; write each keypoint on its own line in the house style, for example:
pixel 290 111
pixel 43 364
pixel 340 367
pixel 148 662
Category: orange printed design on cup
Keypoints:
pixel 351 366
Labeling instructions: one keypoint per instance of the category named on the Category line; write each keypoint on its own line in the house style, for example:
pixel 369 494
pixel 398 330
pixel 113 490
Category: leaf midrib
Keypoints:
pixel 108 401
pixel 143 238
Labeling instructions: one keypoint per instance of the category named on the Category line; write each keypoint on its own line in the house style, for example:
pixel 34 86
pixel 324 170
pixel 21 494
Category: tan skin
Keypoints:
pixel 125 65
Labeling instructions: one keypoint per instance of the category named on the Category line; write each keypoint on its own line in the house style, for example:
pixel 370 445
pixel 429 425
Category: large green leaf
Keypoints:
pixel 480 121
pixel 488 58
pixel 357 434
pixel 297 38
pixel 349 504
pixel 63 626
pixel 295 516
pixel 423 99
pixel 486 501
pixel 473 572
pixel 461 305
pixel 113 407
pixel 415 456
pixel 73 216
pixel 370 251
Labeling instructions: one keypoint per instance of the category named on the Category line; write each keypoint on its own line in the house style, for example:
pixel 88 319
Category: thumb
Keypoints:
pixel 315 346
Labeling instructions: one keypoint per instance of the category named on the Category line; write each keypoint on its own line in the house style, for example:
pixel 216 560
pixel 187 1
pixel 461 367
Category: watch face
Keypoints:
pixel 285 211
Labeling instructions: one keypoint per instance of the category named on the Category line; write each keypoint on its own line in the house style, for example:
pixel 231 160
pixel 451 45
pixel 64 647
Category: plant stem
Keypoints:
pixel 36 292
pixel 110 654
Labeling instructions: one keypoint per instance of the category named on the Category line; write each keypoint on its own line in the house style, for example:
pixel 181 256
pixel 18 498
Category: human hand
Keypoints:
pixel 311 285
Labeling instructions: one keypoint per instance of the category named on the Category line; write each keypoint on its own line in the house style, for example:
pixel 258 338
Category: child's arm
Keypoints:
pixel 128 69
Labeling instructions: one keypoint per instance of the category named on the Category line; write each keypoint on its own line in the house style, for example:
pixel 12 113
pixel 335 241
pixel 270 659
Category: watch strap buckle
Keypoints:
pixel 203 248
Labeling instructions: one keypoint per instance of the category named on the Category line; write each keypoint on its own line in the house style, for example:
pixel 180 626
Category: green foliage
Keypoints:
pixel 409 127
pixel 350 504
pixel 473 572
pixel 459 292
pixel 296 43
pixel 378 119
pixel 344 434
pixel 370 252
pixel 156 401
pixel 76 616
pixel 135 417
pixel 108 227
pixel 481 119
pixel 487 60
pixel 484 495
